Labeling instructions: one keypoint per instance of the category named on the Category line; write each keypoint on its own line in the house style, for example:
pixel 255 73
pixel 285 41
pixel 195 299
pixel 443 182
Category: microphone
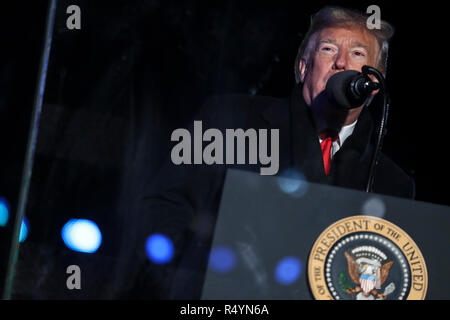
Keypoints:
pixel 349 89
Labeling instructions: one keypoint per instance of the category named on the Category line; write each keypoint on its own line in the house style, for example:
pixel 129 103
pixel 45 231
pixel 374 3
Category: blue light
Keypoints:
pixel 293 183
pixel 288 270
pixel 24 227
pixel 81 235
pixel 4 212
pixel 222 259
pixel 159 248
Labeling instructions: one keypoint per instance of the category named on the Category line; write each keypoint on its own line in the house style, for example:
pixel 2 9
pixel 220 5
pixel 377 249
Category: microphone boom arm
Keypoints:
pixel 382 127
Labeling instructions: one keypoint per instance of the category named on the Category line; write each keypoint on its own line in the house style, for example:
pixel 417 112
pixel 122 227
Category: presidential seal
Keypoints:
pixel 366 258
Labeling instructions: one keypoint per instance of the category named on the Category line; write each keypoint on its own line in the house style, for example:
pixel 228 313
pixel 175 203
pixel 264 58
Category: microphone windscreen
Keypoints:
pixel 337 88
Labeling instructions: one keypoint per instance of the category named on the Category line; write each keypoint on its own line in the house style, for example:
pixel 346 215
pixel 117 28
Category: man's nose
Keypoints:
pixel 341 61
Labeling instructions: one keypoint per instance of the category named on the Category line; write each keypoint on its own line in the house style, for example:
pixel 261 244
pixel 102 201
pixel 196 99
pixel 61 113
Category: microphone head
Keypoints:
pixel 337 89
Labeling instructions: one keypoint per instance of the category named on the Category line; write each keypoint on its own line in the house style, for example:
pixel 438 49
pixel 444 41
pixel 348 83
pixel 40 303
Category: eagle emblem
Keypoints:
pixel 368 269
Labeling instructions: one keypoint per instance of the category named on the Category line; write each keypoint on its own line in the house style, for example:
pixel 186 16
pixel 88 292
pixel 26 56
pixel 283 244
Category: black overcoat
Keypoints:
pixel 182 202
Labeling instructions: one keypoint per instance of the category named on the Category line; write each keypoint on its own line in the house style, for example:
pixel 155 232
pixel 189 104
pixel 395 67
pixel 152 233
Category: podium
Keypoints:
pixel 280 238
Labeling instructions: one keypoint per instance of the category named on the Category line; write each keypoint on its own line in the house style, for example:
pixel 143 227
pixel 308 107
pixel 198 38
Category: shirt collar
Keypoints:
pixel 346 131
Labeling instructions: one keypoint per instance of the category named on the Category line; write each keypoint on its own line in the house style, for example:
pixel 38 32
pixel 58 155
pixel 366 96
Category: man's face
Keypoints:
pixel 336 49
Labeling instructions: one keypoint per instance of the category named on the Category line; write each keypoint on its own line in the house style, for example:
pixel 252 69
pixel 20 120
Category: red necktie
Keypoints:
pixel 325 145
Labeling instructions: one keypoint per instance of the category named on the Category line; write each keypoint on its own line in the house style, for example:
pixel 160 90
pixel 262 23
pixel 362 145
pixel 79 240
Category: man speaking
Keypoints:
pixel 338 40
pixel 323 141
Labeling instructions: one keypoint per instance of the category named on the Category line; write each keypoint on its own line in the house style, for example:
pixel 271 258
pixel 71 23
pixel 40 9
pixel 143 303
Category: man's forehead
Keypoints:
pixel 353 43
pixel 358 37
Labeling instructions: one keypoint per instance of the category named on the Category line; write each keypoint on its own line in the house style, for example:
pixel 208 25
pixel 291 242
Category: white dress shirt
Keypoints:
pixel 345 132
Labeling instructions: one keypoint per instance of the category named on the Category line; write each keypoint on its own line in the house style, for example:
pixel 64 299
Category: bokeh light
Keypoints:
pixel 4 212
pixel 159 248
pixel 222 259
pixel 82 235
pixel 293 182
pixel 24 229
pixel 374 207
pixel 288 270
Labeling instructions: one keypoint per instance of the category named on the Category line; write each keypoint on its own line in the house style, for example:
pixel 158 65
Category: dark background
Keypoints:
pixel 137 70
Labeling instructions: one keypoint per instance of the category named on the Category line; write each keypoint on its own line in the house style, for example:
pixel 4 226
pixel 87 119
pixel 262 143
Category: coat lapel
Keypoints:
pixel 299 145
pixel 306 151
pixel 350 165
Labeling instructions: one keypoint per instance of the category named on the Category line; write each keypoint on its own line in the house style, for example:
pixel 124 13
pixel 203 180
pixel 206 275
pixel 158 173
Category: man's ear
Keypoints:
pixel 302 68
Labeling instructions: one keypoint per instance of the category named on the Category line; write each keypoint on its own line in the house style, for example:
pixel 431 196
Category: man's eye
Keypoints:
pixel 359 54
pixel 327 50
